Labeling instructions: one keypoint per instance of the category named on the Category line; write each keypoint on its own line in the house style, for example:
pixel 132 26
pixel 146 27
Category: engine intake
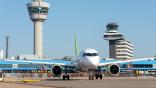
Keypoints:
pixel 57 71
pixel 114 69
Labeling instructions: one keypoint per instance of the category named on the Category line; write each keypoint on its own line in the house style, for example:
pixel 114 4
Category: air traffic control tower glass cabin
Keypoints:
pixel 112 28
pixel 112 32
pixel 38 10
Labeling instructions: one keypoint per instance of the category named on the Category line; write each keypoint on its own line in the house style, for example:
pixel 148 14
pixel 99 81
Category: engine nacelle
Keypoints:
pixel 57 71
pixel 114 69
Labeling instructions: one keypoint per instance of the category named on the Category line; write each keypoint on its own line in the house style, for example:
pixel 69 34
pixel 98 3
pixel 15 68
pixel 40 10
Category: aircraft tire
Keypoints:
pixel 92 77
pixel 64 77
pixel 96 76
pixel 89 77
pixel 68 77
pixel 100 76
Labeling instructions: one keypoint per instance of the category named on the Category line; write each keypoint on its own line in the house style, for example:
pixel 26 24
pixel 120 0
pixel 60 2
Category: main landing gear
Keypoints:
pixel 98 73
pixel 65 75
pixel 98 76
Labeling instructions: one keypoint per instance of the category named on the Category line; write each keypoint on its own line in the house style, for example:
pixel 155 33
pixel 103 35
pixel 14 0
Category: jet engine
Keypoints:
pixel 57 71
pixel 114 69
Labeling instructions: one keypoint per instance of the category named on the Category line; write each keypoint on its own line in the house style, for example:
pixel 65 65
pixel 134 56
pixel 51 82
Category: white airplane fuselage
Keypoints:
pixel 88 59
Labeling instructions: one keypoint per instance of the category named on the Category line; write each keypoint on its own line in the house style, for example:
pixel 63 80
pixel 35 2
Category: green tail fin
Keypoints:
pixel 76 45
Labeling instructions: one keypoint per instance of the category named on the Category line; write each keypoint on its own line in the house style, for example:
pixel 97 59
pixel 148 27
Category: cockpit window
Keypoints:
pixel 94 54
pixel 90 54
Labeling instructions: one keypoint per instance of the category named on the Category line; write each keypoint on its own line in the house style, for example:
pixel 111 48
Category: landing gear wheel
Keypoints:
pixel 66 76
pixel 100 76
pixel 96 76
pixel 92 77
pixel 89 77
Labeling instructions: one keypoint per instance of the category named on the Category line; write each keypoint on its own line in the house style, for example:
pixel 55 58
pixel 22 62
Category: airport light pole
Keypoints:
pixel 7 47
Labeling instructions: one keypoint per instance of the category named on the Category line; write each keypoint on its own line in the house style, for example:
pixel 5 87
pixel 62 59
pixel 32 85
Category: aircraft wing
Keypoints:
pixel 125 61
pixel 49 62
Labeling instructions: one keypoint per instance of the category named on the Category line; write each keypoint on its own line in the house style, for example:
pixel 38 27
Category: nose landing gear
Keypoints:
pixel 91 76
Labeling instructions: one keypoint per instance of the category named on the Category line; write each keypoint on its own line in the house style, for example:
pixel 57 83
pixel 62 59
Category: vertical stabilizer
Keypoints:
pixel 76 45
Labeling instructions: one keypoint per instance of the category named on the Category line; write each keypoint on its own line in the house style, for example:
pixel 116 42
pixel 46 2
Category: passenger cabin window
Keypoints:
pixel 90 54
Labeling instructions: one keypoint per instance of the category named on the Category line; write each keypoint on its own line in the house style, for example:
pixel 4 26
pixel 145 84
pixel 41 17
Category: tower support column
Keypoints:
pixel 38 43
pixel 112 49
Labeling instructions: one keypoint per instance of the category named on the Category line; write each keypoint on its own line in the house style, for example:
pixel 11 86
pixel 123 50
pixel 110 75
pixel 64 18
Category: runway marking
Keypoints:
pixel 48 86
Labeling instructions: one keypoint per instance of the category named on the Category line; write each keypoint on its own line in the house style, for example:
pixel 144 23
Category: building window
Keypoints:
pixel 38 10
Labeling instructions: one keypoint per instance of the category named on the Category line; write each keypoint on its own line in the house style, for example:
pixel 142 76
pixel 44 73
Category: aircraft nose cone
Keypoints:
pixel 94 61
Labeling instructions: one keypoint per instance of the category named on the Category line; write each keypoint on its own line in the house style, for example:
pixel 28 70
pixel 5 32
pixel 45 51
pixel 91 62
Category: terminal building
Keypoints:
pixel 119 47
pixel 27 69
pixel 124 49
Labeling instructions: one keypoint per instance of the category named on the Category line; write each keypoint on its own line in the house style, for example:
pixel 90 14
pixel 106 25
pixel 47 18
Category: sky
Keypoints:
pixel 88 18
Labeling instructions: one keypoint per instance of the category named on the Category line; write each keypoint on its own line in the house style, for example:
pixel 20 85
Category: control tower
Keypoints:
pixel 119 46
pixel 112 32
pixel 38 10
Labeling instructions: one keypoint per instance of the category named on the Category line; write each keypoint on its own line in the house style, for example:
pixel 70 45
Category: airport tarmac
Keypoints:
pixel 76 83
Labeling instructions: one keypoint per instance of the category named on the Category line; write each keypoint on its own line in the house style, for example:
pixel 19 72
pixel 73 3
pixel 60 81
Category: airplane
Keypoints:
pixel 87 61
